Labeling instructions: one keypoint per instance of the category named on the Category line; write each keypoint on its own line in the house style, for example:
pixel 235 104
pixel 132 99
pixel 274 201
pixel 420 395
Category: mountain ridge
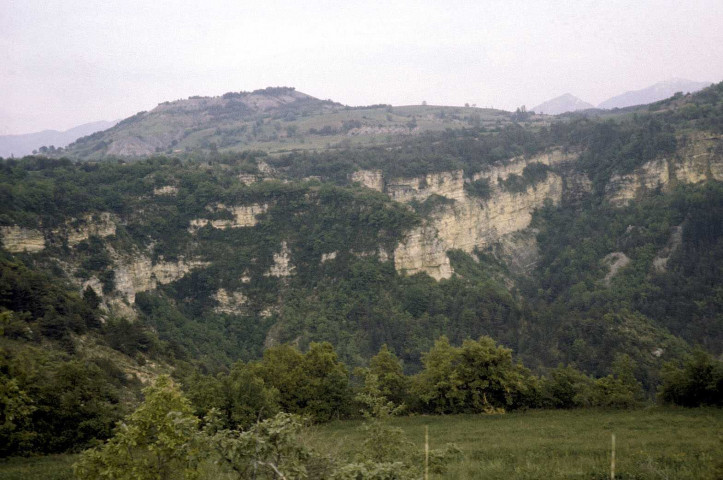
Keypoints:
pixel 23 144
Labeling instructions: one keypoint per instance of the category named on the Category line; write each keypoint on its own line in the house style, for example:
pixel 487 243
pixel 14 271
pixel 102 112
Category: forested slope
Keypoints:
pixel 573 243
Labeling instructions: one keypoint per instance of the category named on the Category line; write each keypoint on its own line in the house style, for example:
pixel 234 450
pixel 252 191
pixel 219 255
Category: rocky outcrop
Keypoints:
pixel 660 262
pixel 369 178
pixel 471 223
pixel 139 274
pixel 445 184
pixel 80 229
pixel 170 190
pixel 282 263
pixel 243 216
pixel 615 261
pixel 232 303
pixel 17 239
pixel 468 222
pixel 699 158
pixel 518 250
pixel 327 257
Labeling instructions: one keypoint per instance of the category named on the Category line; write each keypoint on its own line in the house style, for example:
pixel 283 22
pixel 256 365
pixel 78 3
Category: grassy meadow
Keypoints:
pixel 653 443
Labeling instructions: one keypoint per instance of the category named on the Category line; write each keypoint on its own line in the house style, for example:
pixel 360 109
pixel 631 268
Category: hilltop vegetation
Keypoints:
pixel 280 272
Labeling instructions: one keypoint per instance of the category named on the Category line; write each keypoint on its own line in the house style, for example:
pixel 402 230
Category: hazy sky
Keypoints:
pixel 67 62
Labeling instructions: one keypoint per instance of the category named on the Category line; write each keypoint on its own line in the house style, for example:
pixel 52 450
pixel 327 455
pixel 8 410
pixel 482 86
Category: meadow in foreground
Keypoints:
pixel 654 443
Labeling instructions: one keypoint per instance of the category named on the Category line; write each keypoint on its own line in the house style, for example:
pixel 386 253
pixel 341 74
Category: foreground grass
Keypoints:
pixel 653 443
pixel 49 467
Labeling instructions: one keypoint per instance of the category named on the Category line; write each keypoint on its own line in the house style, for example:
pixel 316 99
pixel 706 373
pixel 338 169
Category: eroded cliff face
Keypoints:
pixel 282 266
pixel 699 158
pixel 243 216
pixel 470 222
pixel 17 239
pixel 79 229
pixel 139 274
pixel 232 303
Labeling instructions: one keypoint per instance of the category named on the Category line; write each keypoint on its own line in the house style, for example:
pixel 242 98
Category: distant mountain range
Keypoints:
pixel 20 145
pixel 654 93
pixel 563 103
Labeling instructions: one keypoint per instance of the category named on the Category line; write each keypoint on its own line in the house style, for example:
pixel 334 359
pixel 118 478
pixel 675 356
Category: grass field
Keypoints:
pixel 651 444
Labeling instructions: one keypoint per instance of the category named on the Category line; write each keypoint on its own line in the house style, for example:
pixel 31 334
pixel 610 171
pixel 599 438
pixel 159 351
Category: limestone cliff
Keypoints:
pixel 282 263
pixel 138 274
pixel 243 216
pixel 698 158
pixel 17 239
pixel 79 229
pixel 232 303
pixel 469 222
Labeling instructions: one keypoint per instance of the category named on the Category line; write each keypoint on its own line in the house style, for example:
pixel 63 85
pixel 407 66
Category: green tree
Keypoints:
pixel 158 441
pixel 698 382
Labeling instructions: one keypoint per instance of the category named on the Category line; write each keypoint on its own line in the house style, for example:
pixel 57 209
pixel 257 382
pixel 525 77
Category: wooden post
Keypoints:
pixel 426 452
pixel 612 459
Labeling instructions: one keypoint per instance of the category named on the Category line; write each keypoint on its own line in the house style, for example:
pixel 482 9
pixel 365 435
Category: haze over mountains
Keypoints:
pixel 279 119
pixel 654 93
pixel 20 145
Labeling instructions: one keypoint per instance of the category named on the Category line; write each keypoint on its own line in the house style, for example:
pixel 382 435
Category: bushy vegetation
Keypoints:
pixel 618 338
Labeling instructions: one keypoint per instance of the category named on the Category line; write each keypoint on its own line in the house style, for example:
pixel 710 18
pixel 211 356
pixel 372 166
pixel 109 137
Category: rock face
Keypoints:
pixel 698 159
pixel 139 274
pixel 615 261
pixel 282 263
pixel 17 239
pixel 232 303
pixel 77 230
pixel 519 251
pixel 660 262
pixel 369 178
pixel 243 216
pixel 469 222
pixel 166 190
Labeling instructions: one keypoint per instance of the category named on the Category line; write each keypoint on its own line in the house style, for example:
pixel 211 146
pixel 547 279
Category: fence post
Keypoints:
pixel 426 452
pixel 612 459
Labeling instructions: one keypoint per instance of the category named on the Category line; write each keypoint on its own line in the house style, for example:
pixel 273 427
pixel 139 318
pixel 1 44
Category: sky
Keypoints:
pixel 68 62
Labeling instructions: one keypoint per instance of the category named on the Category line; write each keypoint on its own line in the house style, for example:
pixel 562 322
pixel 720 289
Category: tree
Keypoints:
pixel 698 382
pixel 156 442
pixel 270 449
pixel 393 384
pixel 479 376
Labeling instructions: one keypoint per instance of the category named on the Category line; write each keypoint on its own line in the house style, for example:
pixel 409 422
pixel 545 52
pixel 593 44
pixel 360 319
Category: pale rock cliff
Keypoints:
pixel 170 190
pixel 660 262
pixel 282 263
pixel 470 222
pixel 614 261
pixel 445 184
pixel 699 158
pixel 17 239
pixel 369 178
pixel 518 250
pixel 232 303
pixel 243 216
pixel 139 274
pixel 77 230
pixel 327 257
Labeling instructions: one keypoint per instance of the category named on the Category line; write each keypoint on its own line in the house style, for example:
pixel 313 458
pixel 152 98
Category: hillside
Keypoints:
pixel 653 93
pixel 580 242
pixel 562 104
pixel 273 120
pixel 21 145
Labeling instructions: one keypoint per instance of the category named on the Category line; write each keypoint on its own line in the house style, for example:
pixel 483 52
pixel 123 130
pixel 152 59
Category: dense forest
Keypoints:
pixel 293 304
